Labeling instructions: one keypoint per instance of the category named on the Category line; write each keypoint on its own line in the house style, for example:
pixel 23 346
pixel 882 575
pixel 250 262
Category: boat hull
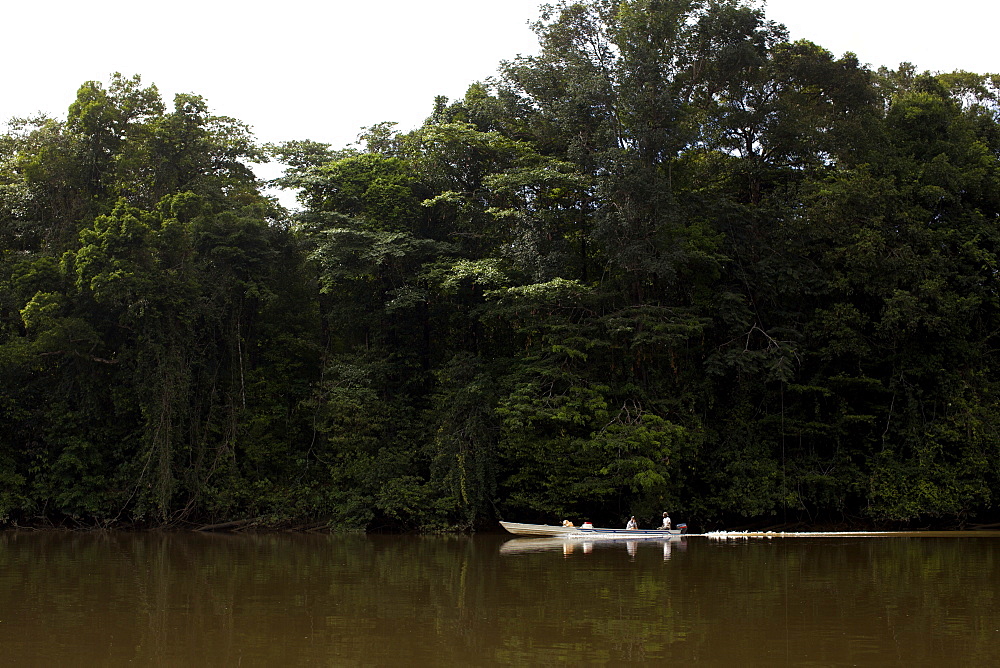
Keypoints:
pixel 548 531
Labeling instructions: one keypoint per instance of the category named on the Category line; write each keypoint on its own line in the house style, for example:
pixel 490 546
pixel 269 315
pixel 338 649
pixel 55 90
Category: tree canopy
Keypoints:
pixel 672 261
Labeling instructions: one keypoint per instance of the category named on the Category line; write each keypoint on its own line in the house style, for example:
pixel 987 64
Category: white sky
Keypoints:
pixel 297 69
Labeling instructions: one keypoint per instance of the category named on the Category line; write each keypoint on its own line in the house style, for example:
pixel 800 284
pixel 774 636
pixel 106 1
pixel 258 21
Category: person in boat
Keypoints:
pixel 666 521
pixel 586 525
pixel 632 524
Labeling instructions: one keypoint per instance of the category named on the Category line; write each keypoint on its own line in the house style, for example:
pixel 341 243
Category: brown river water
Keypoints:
pixel 187 599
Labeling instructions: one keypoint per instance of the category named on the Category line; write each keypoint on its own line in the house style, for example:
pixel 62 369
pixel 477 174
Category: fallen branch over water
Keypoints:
pixel 229 526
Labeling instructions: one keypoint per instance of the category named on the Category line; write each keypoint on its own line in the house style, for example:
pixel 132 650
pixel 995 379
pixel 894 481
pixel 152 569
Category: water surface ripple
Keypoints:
pixel 179 599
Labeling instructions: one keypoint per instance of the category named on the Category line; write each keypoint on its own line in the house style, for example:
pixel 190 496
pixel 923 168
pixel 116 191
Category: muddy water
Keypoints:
pixel 179 599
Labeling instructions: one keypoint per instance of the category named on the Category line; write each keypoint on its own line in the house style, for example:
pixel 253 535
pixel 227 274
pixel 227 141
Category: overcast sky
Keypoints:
pixel 322 70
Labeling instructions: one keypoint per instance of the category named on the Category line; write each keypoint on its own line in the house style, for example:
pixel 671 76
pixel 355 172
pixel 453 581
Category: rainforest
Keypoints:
pixel 673 261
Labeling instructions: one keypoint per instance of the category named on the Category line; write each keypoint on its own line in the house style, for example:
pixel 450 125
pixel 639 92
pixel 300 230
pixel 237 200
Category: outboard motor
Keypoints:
pixel 683 528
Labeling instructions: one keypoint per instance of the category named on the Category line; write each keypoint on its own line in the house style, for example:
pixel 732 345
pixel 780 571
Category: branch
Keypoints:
pixel 75 353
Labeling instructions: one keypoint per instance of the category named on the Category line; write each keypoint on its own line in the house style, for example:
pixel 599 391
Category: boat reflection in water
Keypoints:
pixel 571 546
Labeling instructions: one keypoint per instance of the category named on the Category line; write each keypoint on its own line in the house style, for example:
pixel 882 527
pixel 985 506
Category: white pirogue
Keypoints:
pixel 546 530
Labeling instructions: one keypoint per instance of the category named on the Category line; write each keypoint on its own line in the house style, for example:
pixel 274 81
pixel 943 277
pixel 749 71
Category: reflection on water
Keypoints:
pixel 110 599
pixel 571 546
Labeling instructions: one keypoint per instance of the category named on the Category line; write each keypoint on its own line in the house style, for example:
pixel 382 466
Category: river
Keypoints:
pixel 189 599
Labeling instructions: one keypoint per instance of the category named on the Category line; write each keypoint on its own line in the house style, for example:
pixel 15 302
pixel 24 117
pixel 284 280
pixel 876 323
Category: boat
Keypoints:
pixel 549 531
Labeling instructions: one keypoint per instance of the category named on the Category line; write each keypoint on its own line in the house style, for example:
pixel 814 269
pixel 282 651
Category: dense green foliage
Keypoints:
pixel 673 261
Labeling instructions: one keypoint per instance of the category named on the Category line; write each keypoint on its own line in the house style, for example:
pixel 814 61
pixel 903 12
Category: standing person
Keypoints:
pixel 631 524
pixel 666 521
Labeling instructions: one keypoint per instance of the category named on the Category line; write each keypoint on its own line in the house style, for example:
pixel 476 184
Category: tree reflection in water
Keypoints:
pixel 177 599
